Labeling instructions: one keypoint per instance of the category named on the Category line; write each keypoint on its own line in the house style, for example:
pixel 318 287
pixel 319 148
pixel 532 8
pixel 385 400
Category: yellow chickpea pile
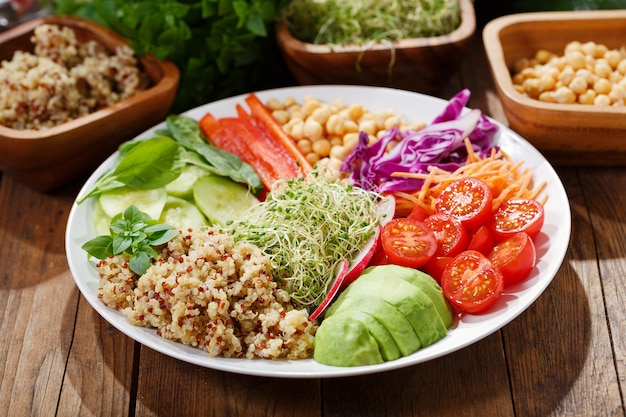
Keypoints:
pixel 325 133
pixel 587 73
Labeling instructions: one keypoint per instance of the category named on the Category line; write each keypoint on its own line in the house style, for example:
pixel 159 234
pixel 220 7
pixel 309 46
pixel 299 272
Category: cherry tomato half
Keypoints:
pixel 471 283
pixel 482 240
pixel 515 257
pixel 468 199
pixel 408 242
pixel 436 266
pixel 517 215
pixel 451 235
pixel 419 213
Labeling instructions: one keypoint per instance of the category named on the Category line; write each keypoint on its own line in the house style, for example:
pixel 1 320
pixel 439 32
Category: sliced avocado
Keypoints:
pixel 343 341
pixel 386 344
pixel 410 300
pixel 387 314
pixel 424 282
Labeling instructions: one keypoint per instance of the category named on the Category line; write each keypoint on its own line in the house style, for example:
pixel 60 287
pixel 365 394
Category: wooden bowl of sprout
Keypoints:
pixel 375 48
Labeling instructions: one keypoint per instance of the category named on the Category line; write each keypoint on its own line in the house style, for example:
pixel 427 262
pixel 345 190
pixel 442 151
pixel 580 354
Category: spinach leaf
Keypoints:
pixel 145 165
pixel 187 133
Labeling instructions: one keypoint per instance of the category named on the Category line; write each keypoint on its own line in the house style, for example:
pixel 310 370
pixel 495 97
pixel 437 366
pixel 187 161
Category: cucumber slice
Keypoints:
pixel 148 201
pixel 183 185
pixel 221 199
pixel 182 214
pixel 101 221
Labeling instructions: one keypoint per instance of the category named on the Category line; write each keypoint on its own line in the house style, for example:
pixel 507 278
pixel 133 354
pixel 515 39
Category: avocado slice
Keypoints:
pixel 343 341
pixel 386 344
pixel 410 300
pixel 388 315
pixel 424 282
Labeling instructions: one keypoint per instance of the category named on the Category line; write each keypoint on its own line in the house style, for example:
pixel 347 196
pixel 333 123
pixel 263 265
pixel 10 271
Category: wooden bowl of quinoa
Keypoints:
pixel 70 92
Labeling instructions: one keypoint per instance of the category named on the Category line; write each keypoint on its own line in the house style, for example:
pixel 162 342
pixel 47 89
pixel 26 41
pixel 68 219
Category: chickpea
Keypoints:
pixel 322 147
pixel 312 129
pixel 578 85
pixel 281 116
pixel 587 97
pixel 350 140
pixel 613 58
pixel 575 59
pixel 531 87
pixel 339 152
pixel 621 67
pixel 542 56
pixel 312 158
pixel 297 130
pixel 617 93
pixel 304 146
pixel 546 83
pixel 602 68
pixel 355 111
pixel 274 104
pixel 310 105
pixel 602 86
pixel 564 95
pixel 602 100
pixel 368 126
pixel 547 97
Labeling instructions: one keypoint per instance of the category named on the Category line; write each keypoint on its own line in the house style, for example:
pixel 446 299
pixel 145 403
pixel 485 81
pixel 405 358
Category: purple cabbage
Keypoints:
pixel 440 143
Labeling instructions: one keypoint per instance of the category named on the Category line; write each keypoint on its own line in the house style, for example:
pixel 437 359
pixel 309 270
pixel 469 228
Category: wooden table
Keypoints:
pixel 566 355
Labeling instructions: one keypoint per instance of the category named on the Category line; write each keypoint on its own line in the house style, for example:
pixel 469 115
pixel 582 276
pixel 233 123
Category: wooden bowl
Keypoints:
pixel 48 158
pixel 566 134
pixel 420 64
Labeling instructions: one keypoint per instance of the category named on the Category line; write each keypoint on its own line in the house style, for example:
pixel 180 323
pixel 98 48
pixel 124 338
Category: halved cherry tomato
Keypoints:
pixel 419 213
pixel 517 215
pixel 408 242
pixel 468 199
pixel 451 235
pixel 482 240
pixel 436 266
pixel 515 257
pixel 471 283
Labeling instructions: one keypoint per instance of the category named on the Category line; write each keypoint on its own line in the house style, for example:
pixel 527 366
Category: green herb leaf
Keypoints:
pixel 133 235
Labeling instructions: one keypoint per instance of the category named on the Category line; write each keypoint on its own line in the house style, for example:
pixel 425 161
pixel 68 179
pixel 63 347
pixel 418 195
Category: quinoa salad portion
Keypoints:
pixel 208 291
pixel 64 79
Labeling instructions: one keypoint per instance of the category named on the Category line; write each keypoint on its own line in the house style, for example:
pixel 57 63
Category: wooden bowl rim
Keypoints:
pixel 465 30
pixel 169 78
pixel 502 75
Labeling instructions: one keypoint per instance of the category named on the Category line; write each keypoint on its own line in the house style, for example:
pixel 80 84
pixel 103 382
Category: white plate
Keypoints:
pixel 551 244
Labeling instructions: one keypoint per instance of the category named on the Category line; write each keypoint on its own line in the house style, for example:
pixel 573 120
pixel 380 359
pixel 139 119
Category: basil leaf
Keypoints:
pixel 99 247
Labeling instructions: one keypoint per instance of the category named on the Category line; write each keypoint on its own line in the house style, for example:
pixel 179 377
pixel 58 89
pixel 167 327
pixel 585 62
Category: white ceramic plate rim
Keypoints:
pixel 551 244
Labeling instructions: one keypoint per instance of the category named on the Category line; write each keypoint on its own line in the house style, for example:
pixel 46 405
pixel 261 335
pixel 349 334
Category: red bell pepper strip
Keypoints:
pixel 263 115
pixel 253 144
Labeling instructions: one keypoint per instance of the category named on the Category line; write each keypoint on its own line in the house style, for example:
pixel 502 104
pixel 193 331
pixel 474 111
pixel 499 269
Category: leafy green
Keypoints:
pixel 222 47
pixel 134 235
pixel 147 165
pixel 186 132
pixel 363 21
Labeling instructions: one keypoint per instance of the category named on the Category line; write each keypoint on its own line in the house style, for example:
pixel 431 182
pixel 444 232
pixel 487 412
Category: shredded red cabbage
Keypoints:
pixel 440 144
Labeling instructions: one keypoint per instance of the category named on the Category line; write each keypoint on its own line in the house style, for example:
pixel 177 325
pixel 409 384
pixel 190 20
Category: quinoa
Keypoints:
pixel 64 79
pixel 208 291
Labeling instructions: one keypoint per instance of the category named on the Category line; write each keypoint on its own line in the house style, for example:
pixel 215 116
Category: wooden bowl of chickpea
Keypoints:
pixel 561 78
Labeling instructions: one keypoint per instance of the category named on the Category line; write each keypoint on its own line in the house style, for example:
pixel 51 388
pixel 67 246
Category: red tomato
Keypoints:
pixel 436 266
pixel 482 240
pixel 408 242
pixel 517 215
pixel 471 283
pixel 468 199
pixel 451 235
pixel 418 213
pixel 515 257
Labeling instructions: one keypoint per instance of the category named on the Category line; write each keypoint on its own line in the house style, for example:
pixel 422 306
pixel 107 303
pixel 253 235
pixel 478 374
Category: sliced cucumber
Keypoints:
pixel 183 185
pixel 221 199
pixel 148 201
pixel 101 221
pixel 182 214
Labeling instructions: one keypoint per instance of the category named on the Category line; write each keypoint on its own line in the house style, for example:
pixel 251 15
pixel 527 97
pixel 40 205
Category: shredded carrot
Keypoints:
pixel 505 178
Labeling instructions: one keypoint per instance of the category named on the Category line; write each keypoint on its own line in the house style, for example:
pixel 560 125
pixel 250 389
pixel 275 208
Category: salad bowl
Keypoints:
pixel 467 329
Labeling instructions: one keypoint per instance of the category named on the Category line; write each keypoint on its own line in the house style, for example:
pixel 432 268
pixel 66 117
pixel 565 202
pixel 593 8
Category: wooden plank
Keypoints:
pixel 559 351
pixel 169 387
pixel 605 201
pixel 479 387
pixel 37 300
pixel 99 372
